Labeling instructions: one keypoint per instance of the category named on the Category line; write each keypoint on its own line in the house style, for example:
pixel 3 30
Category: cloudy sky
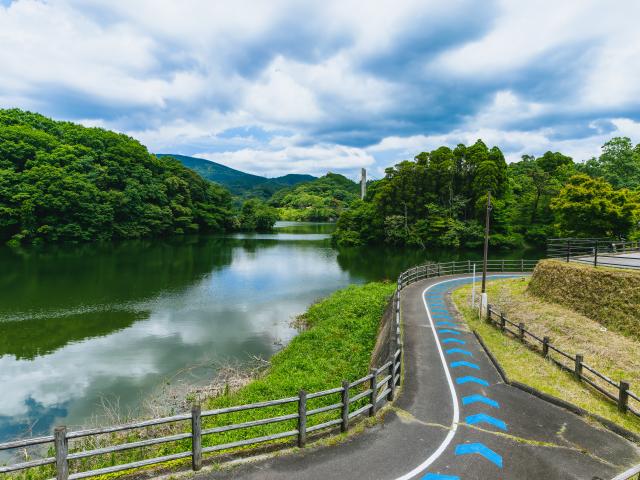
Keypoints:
pixel 276 86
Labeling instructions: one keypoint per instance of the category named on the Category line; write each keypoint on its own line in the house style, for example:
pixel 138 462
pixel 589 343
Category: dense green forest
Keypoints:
pixel 439 198
pixel 242 184
pixel 64 182
pixel 322 199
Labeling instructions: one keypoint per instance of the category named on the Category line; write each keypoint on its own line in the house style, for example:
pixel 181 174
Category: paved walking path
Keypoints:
pixel 455 418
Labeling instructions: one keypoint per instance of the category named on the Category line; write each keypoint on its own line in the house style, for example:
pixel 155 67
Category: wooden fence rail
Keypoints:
pixel 371 392
pixel 618 392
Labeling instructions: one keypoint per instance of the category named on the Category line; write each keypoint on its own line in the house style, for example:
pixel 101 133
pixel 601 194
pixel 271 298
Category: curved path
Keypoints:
pixel 455 418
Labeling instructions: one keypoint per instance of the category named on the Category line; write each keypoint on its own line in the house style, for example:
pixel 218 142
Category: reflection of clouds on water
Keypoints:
pixel 241 309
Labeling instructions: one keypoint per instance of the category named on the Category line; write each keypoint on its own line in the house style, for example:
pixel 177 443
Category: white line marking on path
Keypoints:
pixel 454 398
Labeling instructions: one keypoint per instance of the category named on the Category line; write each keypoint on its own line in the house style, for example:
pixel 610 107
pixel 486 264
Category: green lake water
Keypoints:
pixel 88 325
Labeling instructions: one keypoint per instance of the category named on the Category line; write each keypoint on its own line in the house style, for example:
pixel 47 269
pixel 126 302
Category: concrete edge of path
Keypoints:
pixel 608 424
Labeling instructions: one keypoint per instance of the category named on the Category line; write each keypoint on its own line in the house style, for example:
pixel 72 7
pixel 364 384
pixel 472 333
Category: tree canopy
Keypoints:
pixel 321 199
pixel 439 198
pixel 60 181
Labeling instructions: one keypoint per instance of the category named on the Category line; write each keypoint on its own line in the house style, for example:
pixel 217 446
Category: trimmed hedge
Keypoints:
pixel 606 295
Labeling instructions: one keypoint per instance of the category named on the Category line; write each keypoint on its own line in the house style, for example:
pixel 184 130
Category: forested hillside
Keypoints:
pixel 322 199
pixel 439 198
pixel 63 182
pixel 242 184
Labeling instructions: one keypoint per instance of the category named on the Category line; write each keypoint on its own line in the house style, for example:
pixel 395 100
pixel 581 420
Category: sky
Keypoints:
pixel 274 87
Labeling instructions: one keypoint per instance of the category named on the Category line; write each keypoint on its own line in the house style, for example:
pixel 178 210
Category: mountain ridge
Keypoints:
pixel 237 181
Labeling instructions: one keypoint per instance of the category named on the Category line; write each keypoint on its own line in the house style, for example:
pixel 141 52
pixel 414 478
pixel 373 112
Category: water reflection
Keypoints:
pixel 81 323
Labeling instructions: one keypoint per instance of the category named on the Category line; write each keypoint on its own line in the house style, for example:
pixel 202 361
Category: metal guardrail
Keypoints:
pixel 595 251
pixel 618 392
pixel 367 400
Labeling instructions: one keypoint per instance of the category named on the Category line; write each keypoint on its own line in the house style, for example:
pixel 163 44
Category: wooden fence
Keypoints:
pixel 358 398
pixel 616 391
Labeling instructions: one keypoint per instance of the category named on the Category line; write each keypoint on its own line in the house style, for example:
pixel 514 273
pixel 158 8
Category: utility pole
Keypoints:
pixel 486 244
pixel 363 183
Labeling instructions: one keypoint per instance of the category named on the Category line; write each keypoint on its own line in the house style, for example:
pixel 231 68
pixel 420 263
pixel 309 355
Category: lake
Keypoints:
pixel 91 328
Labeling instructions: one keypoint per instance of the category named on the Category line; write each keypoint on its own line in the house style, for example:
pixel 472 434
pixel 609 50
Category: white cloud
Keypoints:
pixel 316 159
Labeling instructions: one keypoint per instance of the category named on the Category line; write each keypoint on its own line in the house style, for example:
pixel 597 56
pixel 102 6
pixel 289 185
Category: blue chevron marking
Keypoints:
pixel 459 350
pixel 463 363
pixel 437 476
pixel 453 340
pixel 447 330
pixel 470 379
pixel 480 449
pixel 481 399
pixel 442 323
pixel 484 418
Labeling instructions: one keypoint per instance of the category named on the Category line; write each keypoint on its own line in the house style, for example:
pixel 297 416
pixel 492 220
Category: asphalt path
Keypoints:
pixel 455 419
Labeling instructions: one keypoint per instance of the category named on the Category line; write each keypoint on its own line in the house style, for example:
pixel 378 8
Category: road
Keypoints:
pixel 455 418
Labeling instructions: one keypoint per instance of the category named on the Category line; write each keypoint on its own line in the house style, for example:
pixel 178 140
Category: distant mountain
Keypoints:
pixel 238 182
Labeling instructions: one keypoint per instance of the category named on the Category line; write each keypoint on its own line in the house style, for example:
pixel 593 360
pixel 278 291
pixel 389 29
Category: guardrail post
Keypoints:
pixel 502 265
pixel 302 418
pixel 522 264
pixel 521 331
pixel 399 372
pixel 595 256
pixel 568 250
pixel 623 396
pixel 438 269
pixel 503 322
pixel 488 313
pixel 374 391
pixel 392 383
pixel 578 366
pixel 545 347
pixel 61 444
pixel 344 426
pixel 196 437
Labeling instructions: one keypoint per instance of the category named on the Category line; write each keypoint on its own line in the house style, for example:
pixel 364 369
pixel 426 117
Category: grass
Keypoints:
pixel 610 296
pixel 336 345
pixel 608 352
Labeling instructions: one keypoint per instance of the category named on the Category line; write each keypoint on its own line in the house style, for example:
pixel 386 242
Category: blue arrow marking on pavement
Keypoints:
pixel 470 379
pixel 459 350
pixel 442 323
pixel 447 330
pixel 437 476
pixel 441 310
pixel 453 340
pixel 480 398
pixel 463 363
pixel 484 418
pixel 440 315
pixel 480 449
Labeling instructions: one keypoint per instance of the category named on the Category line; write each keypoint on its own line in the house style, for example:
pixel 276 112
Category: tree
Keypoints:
pixel 619 163
pixel 591 207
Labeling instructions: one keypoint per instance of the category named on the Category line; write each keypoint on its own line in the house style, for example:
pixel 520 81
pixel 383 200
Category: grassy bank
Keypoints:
pixel 610 296
pixel 340 333
pixel 609 352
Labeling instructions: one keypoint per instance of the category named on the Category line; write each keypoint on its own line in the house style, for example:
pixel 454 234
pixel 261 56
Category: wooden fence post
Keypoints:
pixel 374 391
pixel 623 396
pixel 521 331
pixel 578 366
pixel 344 426
pixel 62 449
pixel 545 347
pixel 196 437
pixel 302 418
pixel 503 322
pixel 392 383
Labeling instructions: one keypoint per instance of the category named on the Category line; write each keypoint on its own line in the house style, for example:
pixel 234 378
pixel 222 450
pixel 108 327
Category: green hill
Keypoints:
pixel 239 183
pixel 320 199
pixel 60 181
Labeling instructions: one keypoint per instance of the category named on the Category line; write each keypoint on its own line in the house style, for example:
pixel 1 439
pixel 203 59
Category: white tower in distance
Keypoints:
pixel 363 183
